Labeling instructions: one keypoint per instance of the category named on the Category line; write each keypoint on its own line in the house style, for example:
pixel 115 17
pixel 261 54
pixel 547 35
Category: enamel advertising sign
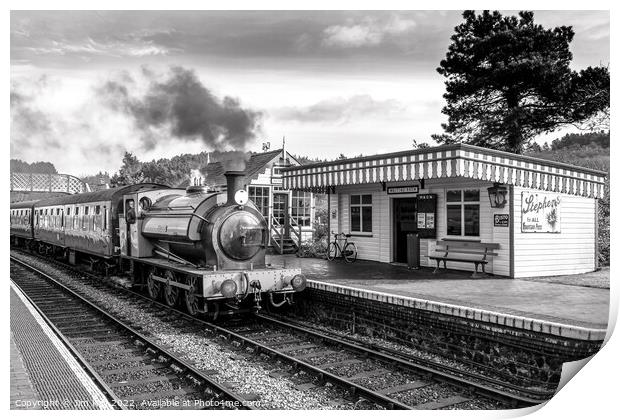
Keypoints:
pixel 540 212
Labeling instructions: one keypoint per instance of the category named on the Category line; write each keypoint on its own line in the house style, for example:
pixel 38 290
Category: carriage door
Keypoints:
pixel 128 229
pixel 404 220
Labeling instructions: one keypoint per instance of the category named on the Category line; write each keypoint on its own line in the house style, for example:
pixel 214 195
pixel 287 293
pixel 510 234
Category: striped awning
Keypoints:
pixel 451 161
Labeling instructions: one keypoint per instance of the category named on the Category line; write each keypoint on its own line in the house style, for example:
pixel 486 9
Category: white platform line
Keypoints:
pixel 98 397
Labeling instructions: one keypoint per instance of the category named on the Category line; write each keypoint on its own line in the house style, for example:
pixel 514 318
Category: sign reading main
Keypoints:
pixel 403 190
pixel 501 220
pixel 540 212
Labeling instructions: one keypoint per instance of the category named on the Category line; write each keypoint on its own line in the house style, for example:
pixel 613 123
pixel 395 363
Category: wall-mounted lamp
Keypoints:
pixel 497 195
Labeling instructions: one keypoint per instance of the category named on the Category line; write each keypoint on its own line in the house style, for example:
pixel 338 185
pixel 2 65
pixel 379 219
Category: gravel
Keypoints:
pixel 246 373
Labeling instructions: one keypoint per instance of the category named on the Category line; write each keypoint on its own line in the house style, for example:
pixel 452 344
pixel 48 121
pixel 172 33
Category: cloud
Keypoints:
pixel 341 110
pixel 91 47
pixel 368 32
pixel 178 105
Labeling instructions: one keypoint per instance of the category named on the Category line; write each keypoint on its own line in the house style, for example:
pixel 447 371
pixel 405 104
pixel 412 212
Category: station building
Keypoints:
pixel 541 214
pixel 289 213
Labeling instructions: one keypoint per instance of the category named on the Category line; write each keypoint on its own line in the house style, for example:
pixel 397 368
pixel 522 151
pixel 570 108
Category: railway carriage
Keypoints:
pixel 190 246
pixel 86 224
pixel 21 222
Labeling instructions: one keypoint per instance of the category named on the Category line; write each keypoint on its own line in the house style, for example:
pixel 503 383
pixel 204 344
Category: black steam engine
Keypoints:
pixel 205 250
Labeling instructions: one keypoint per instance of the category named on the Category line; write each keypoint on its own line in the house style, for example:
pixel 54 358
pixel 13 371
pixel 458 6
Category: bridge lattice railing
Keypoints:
pixel 47 183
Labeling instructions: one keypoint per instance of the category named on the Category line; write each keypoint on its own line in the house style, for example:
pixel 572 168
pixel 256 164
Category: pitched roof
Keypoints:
pixel 214 172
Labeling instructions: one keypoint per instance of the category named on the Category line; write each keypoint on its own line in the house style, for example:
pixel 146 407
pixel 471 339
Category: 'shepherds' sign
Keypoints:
pixel 540 212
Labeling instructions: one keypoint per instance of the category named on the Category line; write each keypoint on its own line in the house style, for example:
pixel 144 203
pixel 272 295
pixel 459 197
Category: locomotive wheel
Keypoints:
pixel 152 286
pixel 171 293
pixel 190 298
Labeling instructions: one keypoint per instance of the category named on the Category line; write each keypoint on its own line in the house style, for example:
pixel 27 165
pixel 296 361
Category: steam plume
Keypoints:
pixel 184 108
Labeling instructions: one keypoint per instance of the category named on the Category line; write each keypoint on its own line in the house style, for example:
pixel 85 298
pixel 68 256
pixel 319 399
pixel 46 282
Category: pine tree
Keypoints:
pixel 508 80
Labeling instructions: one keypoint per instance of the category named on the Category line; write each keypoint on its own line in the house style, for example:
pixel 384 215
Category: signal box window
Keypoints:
pixel 260 197
pixel 301 207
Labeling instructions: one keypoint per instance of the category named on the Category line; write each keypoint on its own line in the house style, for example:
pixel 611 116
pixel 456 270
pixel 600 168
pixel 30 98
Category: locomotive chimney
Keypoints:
pixel 234 183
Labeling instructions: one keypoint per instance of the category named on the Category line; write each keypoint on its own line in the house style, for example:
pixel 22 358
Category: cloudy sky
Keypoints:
pixel 86 86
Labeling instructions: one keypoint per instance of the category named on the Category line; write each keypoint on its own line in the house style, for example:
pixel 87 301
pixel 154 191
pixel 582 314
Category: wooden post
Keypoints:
pixel 329 216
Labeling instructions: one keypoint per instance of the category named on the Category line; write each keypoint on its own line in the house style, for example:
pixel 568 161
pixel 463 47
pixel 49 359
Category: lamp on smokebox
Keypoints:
pixel 497 195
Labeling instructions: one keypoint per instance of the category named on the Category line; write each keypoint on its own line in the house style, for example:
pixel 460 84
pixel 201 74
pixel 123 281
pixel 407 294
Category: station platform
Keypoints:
pixel 44 374
pixel 565 308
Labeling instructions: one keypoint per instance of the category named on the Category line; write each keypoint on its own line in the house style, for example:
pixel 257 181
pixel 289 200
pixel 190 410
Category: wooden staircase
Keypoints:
pixel 285 239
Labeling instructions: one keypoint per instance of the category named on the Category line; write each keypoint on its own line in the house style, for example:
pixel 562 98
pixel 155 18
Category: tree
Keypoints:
pixel 130 172
pixel 509 80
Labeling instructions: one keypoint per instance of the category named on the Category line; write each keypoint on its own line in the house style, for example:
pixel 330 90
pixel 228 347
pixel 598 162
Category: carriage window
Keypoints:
pixel 97 210
pixel 86 210
pixel 105 218
pixel 68 211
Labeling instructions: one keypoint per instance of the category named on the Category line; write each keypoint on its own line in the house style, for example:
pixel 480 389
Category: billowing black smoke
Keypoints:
pixel 182 104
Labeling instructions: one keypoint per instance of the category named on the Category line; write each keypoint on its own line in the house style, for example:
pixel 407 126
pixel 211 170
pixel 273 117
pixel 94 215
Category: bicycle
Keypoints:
pixel 348 251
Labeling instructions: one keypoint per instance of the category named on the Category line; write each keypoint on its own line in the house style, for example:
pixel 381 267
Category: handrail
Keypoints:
pixel 279 243
pixel 293 223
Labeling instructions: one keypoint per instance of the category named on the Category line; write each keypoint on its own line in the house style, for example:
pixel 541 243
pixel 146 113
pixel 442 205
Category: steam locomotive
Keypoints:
pixel 192 247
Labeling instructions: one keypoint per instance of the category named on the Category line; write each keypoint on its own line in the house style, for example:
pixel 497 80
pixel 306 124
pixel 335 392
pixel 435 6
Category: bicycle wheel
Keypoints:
pixel 331 251
pixel 350 252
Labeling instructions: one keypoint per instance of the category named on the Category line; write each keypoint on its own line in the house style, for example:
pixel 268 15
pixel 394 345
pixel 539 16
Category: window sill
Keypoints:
pixel 361 235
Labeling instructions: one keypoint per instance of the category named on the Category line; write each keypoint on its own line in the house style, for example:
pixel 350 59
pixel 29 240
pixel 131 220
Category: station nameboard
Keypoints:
pixel 411 189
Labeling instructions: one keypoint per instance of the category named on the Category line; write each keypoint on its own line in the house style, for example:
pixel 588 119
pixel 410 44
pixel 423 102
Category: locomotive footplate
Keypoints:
pixel 218 284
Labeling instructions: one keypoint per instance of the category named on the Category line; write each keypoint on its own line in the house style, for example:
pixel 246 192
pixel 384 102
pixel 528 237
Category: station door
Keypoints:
pixel 404 220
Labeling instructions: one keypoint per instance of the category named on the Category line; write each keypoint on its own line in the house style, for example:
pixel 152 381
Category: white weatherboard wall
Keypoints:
pixel 500 264
pixel 379 245
pixel 571 251
pixel 375 246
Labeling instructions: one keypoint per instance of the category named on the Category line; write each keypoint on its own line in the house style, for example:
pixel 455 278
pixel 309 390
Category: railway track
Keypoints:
pixel 367 375
pixel 515 396
pixel 132 371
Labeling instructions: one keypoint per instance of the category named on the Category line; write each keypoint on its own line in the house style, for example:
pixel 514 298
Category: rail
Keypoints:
pixel 219 390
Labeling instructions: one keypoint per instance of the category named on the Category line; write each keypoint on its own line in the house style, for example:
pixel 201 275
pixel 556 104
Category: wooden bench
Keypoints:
pixel 455 246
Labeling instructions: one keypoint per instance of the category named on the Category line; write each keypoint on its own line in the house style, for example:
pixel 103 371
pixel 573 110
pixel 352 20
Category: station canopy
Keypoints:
pixel 450 161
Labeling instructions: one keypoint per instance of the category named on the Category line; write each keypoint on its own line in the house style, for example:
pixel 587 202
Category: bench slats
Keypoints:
pixel 447 247
pixel 465 252
pixel 467 244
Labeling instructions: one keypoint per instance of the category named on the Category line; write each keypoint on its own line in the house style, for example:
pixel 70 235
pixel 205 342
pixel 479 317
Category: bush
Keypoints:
pixel 315 249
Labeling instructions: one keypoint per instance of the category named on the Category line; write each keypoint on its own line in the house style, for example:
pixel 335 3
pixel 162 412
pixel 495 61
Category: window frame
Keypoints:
pixel 306 209
pixel 463 203
pixel 267 194
pixel 361 205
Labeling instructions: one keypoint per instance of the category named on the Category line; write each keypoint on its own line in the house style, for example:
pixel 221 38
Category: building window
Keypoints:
pixel 260 197
pixel 301 207
pixel 361 213
pixel 463 212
